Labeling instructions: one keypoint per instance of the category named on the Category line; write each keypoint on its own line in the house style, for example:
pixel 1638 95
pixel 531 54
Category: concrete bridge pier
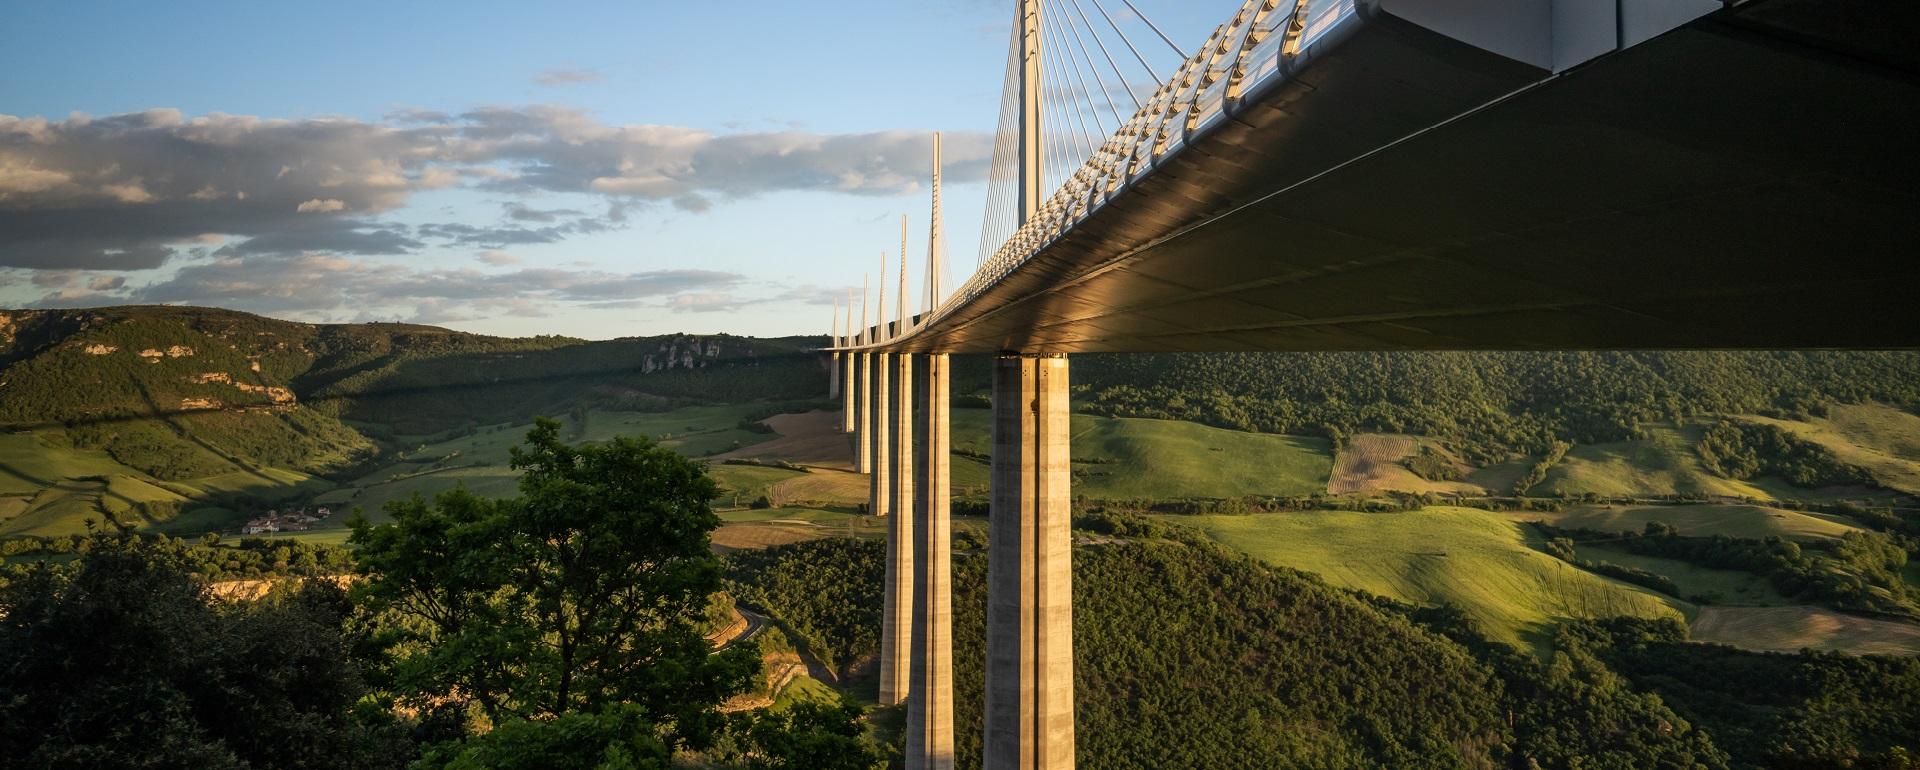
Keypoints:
pixel 1029 682
pixel 897 625
pixel 846 393
pixel 930 702
pixel 862 415
pixel 879 424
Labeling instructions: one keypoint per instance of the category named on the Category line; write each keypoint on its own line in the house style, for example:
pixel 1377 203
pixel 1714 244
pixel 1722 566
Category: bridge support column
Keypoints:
pixel 833 376
pixel 846 393
pixel 863 415
pixel 930 699
pixel 896 625
pixel 1029 715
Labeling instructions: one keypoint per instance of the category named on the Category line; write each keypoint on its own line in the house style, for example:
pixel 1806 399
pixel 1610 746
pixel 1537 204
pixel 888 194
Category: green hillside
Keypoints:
pixel 1127 458
pixel 1501 401
pixel 1487 566
pixel 1753 522
pixel 1664 462
pixel 179 418
pixel 1873 438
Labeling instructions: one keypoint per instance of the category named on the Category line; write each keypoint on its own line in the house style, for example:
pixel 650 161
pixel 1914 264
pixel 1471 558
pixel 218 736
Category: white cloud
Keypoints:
pixel 497 258
pixel 118 192
pixel 321 206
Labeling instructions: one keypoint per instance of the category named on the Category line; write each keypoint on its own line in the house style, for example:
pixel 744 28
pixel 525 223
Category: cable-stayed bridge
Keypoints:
pixel 1371 175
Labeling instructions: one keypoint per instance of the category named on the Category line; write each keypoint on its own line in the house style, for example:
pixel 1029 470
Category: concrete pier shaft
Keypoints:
pixel 930 700
pixel 846 393
pixel 833 375
pixel 1029 682
pixel 879 475
pixel 896 625
pixel 863 414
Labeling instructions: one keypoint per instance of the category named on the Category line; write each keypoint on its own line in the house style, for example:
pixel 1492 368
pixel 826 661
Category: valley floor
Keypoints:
pixel 790 481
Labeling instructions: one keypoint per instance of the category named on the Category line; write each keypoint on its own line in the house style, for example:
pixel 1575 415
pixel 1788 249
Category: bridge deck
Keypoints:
pixel 1726 185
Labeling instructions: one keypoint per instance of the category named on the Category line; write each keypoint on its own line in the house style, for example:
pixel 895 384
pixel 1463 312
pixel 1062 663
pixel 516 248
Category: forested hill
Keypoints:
pixel 188 392
pixel 1191 656
pixel 1513 400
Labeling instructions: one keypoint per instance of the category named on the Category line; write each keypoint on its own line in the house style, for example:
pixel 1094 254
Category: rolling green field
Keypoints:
pixel 48 487
pixel 1752 522
pixel 1790 629
pixel 1132 458
pixel 1483 563
pixel 1663 464
pixel 480 462
pixel 1877 438
pixel 742 484
pixel 1721 587
pixel 29 463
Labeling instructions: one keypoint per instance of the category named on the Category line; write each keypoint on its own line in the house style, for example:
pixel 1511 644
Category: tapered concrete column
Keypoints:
pixel 863 416
pixel 896 626
pixel 930 702
pixel 879 494
pixel 1029 716
pixel 833 376
pixel 846 393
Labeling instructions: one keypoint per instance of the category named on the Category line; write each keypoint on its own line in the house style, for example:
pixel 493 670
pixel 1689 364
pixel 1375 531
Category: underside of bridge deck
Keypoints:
pixel 1745 181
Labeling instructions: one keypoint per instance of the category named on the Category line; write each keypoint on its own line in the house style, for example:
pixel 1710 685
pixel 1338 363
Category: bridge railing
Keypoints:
pixel 1259 48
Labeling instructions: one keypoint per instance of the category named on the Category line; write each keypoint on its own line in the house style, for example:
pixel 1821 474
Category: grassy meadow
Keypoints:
pixel 1485 564
pixel 1752 522
pixel 1133 458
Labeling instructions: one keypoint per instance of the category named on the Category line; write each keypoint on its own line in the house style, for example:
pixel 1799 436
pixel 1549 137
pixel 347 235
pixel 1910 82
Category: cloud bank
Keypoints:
pixel 124 192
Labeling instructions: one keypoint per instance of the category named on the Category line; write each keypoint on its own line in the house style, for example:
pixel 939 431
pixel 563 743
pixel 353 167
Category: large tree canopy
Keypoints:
pixel 586 592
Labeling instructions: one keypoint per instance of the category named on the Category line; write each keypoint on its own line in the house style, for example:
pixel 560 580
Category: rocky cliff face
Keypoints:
pixel 683 351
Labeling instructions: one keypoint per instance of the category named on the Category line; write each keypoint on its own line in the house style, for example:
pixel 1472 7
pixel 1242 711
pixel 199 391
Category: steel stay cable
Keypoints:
pixel 1105 94
pixel 1123 35
pixel 1111 63
pixel 1156 29
pixel 1079 87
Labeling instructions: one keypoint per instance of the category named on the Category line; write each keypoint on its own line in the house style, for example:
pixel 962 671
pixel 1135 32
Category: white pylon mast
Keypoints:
pixel 880 312
pixel 850 336
pixel 1030 87
pixel 901 310
pixel 866 294
pixel 933 236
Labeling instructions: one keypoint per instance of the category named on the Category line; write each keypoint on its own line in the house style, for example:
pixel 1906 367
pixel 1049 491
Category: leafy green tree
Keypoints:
pixel 805 736
pixel 616 738
pixel 586 593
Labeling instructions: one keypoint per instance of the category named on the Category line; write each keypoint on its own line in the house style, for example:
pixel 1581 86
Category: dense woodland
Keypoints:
pixel 1499 400
pixel 207 558
pixel 1170 630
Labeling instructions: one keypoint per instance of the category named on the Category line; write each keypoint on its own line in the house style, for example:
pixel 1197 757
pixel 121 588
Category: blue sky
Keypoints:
pixel 590 169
